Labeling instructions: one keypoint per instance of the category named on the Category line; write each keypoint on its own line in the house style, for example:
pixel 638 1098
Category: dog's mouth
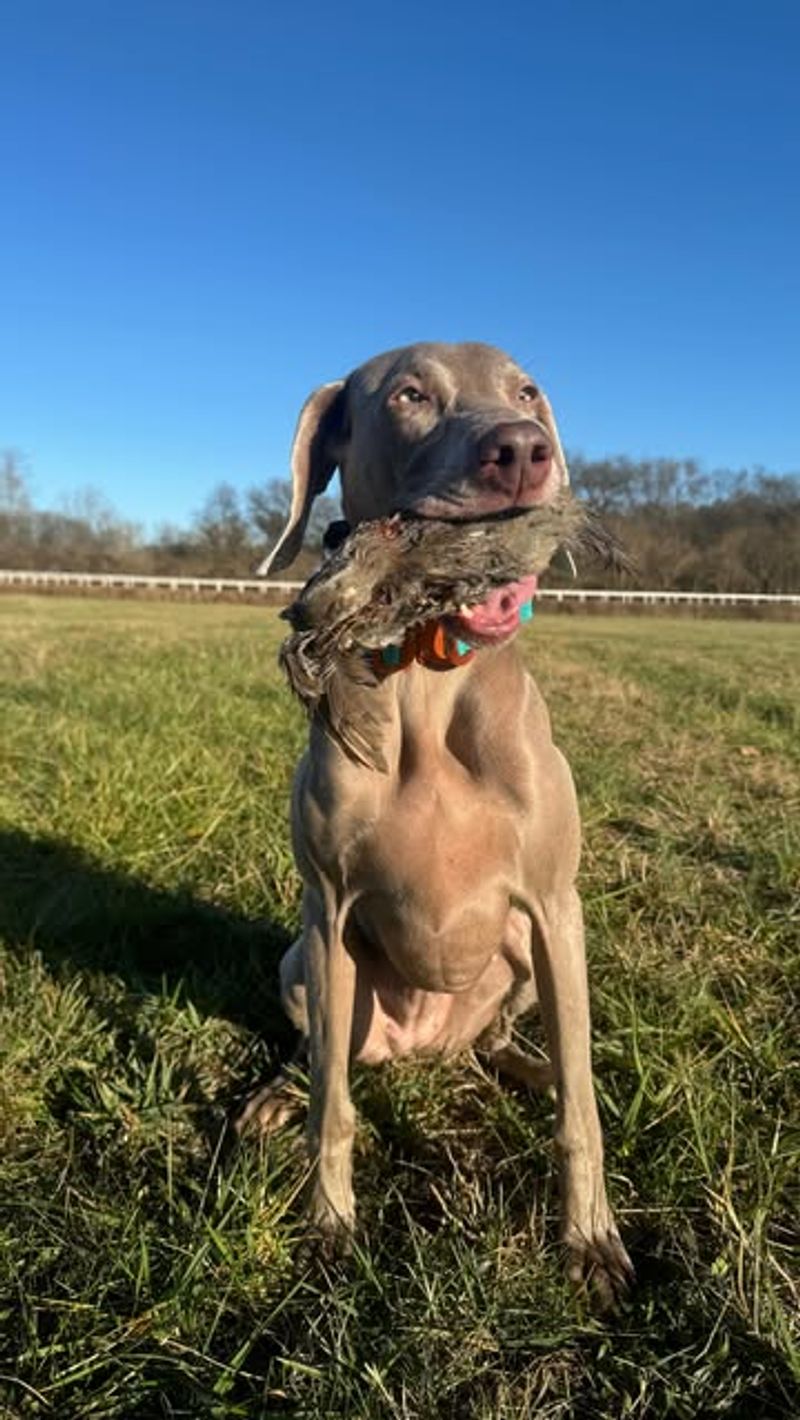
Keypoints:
pixel 492 621
pixel 501 614
pixel 498 617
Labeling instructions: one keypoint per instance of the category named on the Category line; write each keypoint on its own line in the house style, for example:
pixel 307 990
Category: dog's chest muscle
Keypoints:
pixel 437 867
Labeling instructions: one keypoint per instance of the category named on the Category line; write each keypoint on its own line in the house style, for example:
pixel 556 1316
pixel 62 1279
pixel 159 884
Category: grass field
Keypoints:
pixel 146 893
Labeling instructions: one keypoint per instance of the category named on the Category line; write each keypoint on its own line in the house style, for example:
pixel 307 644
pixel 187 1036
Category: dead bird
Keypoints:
pixel 395 575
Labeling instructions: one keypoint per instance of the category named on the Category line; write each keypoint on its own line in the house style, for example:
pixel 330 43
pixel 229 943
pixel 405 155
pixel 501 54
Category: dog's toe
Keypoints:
pixel 333 1227
pixel 600 1266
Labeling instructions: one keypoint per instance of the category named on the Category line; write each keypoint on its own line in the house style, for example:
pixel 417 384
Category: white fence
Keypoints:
pixel 133 582
pixel 109 580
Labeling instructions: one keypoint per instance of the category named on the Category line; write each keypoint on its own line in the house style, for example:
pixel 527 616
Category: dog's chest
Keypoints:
pixel 437 869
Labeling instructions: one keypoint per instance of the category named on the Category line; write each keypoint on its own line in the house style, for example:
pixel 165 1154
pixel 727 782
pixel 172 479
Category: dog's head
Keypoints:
pixel 441 431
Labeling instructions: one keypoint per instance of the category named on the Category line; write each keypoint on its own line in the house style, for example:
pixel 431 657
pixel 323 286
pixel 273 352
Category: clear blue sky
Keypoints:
pixel 208 208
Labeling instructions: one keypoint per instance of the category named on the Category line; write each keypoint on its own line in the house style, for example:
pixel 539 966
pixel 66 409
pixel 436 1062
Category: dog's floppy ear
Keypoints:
pixel 315 454
pixel 545 412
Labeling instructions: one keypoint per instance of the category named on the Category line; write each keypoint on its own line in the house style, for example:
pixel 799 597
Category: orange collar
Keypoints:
pixel 430 644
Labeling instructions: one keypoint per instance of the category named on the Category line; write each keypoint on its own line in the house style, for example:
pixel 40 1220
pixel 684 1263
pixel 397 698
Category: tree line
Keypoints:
pixel 683 528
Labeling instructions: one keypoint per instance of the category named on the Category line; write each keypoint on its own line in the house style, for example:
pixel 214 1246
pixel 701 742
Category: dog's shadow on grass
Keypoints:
pixel 82 916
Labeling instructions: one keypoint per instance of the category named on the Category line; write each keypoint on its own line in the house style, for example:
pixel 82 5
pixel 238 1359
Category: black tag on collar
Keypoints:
pixel 335 534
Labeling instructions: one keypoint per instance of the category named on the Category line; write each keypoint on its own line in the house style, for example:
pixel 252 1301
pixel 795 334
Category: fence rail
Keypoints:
pixel 133 582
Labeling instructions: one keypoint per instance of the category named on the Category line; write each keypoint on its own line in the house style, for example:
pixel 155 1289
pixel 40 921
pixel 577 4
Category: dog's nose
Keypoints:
pixel 514 458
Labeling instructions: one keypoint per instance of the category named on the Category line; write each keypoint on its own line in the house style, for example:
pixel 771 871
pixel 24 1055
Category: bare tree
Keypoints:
pixel 222 533
pixel 14 493
pixel 269 508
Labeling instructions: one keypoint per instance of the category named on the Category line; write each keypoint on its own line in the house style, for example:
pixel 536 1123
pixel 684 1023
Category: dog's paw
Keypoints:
pixel 598 1264
pixel 332 1224
pixel 269 1107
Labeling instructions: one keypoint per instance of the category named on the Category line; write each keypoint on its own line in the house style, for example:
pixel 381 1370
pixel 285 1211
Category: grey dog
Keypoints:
pixel 439 896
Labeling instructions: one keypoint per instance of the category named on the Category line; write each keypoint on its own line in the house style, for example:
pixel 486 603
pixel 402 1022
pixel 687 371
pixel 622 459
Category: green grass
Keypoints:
pixel 146 893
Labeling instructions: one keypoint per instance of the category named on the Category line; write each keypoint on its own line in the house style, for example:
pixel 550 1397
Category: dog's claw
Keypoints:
pixel 333 1245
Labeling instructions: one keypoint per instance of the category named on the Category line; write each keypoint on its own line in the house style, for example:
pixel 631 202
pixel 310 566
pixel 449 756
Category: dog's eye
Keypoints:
pixel 409 394
pixel 528 394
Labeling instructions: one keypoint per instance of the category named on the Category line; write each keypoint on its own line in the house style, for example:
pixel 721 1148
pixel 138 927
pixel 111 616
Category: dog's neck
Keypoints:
pixel 412 713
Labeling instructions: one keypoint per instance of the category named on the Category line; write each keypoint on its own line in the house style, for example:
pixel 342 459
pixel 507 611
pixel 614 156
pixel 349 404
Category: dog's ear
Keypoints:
pixel 545 413
pixel 315 454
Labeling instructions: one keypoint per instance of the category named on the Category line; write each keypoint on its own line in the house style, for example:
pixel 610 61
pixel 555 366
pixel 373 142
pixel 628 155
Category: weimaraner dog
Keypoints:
pixel 439 899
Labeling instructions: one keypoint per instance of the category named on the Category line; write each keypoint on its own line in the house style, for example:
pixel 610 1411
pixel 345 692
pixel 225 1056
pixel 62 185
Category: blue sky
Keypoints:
pixel 211 207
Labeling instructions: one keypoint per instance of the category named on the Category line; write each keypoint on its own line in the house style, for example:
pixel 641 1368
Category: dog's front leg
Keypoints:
pixel 596 1252
pixel 330 976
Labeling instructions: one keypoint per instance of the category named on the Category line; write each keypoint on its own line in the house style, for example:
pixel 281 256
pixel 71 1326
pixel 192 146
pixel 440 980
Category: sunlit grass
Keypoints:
pixel 146 893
